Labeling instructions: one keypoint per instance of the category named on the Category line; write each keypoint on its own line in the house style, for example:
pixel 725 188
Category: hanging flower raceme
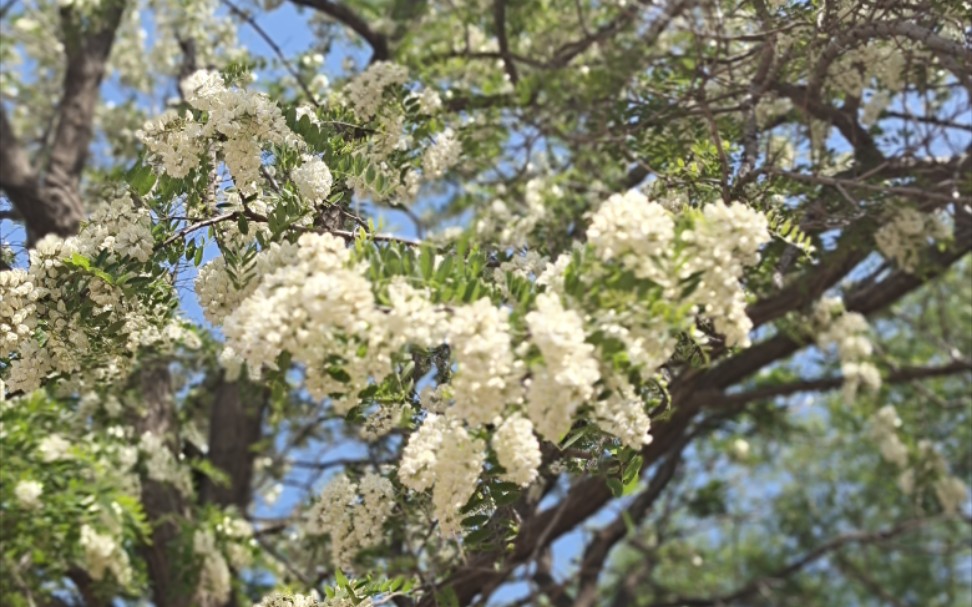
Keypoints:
pixel 442 455
pixel 352 514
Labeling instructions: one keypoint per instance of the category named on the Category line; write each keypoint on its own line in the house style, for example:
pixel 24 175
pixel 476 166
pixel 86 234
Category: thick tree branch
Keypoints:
pixel 344 15
pixel 235 426
pixel 163 504
pixel 49 200
pixel 867 300
pixel 598 550
pixel 897 376
pixel 86 53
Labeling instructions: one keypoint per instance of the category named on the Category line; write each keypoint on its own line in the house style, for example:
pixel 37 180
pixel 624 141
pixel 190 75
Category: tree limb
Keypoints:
pixel 344 15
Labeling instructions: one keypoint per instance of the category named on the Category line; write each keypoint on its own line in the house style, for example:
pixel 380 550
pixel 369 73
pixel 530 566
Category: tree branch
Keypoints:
pixel 52 204
pixel 344 15
pixel 897 376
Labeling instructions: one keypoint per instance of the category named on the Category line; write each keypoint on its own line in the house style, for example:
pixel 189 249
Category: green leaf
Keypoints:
pixel 633 470
pixel 141 179
pixel 475 520
pixel 339 576
pixel 426 262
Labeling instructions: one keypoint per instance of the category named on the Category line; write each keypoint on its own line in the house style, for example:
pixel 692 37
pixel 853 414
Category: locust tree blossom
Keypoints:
pixel 484 382
pixel 239 125
pixel 28 494
pixel 53 448
pixel 215 581
pixel 364 93
pixel 905 237
pixel 569 371
pixel 723 241
pixel 352 514
pixel 639 234
pixel 75 345
pixel 883 427
pixel 442 155
pixel 848 332
pixel 313 179
pixel 102 554
pixel 623 414
pixel 442 455
pixel 517 450
pixel 306 309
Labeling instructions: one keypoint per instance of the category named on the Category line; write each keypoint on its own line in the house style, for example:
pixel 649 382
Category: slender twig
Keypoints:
pixel 248 19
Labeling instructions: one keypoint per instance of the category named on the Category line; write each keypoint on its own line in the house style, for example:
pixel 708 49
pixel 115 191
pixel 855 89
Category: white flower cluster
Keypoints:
pixel 17 309
pixel 517 450
pixel 905 237
pixel 848 331
pixel 429 102
pixel 484 382
pixel 951 491
pixel 215 291
pixel 310 308
pixel 122 228
pixel 442 155
pixel 278 599
pixel 622 414
pixel 28 494
pixel 102 553
pixel 364 93
pixel 883 429
pixel 75 343
pixel 215 580
pixel 723 242
pixel 566 379
pixel 412 318
pixel 237 535
pixel 239 123
pixel 162 465
pixel 874 106
pixel 340 598
pixel 309 299
pixel 640 234
pixel 442 455
pixel 313 179
pixel 175 140
pixel 353 515
pixel 53 447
